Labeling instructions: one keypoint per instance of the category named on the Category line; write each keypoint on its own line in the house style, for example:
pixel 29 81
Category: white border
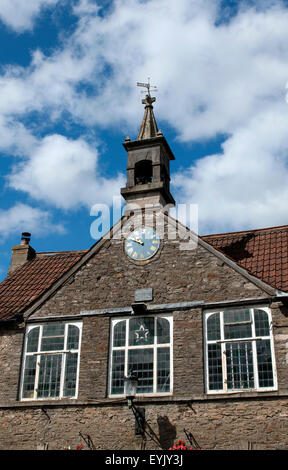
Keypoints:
pixel 39 353
pixel 206 314
pixel 168 317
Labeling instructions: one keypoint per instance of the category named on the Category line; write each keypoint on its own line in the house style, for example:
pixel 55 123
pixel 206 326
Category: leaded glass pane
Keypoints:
pixel 237 324
pixel 213 327
pixel 265 370
pixel 237 331
pixel 238 315
pixel 215 367
pixel 141 331
pixel 73 337
pixel 32 340
pixel 240 374
pixel 53 337
pixel 119 334
pixel 52 344
pixel 163 331
pixel 261 323
pixel 117 376
pixel 163 370
pixel 70 375
pixel 49 376
pixel 141 362
pixel 29 377
pixel 53 329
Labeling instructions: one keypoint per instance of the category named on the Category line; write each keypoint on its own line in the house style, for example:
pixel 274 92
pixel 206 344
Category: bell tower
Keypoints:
pixel 148 163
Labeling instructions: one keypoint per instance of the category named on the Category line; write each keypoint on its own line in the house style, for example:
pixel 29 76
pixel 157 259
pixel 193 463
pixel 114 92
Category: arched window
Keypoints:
pixel 144 345
pixel 143 172
pixel 51 361
pixel 239 350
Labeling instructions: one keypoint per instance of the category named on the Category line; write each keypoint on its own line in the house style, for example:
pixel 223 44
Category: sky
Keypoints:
pixel 68 99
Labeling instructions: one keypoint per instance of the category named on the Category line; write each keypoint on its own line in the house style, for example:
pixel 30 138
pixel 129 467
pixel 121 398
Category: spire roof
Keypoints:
pixel 148 127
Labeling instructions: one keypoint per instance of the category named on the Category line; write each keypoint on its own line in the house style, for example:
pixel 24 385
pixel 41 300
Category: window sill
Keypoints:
pixel 155 399
pixel 142 396
pixel 48 400
pixel 242 393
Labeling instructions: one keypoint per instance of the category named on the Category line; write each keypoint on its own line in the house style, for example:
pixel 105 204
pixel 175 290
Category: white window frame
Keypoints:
pixel 252 339
pixel 39 353
pixel 153 346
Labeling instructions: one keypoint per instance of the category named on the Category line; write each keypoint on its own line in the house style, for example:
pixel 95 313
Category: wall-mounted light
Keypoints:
pixel 130 388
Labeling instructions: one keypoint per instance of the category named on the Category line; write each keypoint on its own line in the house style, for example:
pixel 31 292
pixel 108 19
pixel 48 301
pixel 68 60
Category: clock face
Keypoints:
pixel 142 244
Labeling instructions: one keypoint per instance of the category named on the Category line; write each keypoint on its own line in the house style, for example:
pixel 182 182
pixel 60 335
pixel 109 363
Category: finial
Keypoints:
pixel 148 100
pixel 148 127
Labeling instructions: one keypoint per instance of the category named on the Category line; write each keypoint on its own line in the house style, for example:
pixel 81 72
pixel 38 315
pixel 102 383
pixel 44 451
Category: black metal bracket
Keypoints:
pixel 87 439
pixel 140 421
pixel 192 439
pixel 46 413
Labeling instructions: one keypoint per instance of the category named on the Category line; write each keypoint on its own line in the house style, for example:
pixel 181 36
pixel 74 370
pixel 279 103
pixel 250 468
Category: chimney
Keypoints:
pixel 22 253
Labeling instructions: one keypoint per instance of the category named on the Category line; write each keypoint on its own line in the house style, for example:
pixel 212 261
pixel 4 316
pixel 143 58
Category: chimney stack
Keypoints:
pixel 22 253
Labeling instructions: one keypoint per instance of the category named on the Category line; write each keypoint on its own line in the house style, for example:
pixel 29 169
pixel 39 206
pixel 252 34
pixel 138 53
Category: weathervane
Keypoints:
pixel 148 100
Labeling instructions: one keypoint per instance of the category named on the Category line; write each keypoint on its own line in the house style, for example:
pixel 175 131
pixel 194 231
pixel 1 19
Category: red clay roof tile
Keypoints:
pixel 32 279
pixel 262 252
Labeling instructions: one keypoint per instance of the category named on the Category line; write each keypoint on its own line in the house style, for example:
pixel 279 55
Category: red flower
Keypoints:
pixel 180 445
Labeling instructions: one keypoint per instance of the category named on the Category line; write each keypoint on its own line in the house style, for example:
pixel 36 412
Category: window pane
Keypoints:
pixel 73 337
pixel 117 376
pixel 53 337
pixel 29 377
pixel 141 331
pixel 53 329
pixel 261 323
pixel 238 331
pixel 141 362
pixel 52 344
pixel 70 375
pixel 213 327
pixel 163 331
pixel 232 330
pixel 32 341
pixel 215 367
pixel 119 334
pixel 238 315
pixel 265 372
pixel 163 370
pixel 49 375
pixel 240 374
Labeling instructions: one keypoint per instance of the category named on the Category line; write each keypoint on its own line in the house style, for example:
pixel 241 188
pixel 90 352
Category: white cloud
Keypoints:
pixel 64 173
pixel 20 14
pixel 86 7
pixel 21 218
pixel 226 78
pixel 246 185
pixel 15 138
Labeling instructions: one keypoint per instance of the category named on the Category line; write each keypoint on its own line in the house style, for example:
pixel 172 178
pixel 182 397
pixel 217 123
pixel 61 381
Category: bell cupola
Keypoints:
pixel 148 166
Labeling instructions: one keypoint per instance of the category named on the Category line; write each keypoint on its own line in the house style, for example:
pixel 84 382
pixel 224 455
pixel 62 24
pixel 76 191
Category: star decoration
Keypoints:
pixel 142 333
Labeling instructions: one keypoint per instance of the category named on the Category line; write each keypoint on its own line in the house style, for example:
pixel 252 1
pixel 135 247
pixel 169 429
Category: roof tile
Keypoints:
pixel 32 279
pixel 262 252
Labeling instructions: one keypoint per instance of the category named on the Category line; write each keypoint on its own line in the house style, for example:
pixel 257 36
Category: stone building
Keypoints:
pixel 200 322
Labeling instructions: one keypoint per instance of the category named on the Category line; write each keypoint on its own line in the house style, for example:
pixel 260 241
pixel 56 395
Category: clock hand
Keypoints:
pixel 137 240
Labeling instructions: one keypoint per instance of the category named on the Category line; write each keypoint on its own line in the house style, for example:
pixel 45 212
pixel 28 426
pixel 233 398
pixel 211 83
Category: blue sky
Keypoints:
pixel 68 98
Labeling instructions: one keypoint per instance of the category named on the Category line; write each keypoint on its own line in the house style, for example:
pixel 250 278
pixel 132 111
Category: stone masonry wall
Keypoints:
pixel 109 280
pixel 220 424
